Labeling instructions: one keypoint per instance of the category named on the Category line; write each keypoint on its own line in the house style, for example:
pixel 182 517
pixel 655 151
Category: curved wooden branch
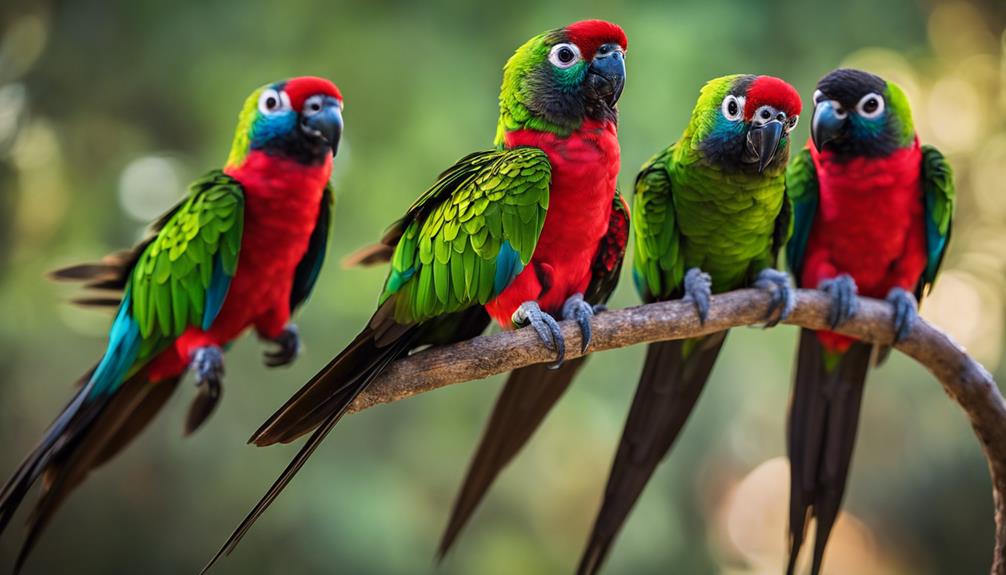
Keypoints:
pixel 963 378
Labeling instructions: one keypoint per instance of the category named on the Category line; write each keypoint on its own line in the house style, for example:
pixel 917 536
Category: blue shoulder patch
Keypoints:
pixel 508 267
pixel 215 296
pixel 637 280
pixel 396 280
pixel 935 241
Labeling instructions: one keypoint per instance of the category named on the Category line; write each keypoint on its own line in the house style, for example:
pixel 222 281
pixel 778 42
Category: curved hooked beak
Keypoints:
pixel 827 124
pixel 326 123
pixel 763 142
pixel 606 73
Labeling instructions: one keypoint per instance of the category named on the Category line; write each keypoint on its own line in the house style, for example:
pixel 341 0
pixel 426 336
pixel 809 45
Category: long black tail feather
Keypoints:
pixel 319 406
pixel 526 399
pixel 87 433
pixel 669 388
pixel 823 418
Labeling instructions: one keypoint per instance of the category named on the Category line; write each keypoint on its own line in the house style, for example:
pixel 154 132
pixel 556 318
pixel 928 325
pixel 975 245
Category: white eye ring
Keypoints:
pixel 818 96
pixel 272 101
pixel 792 122
pixel 874 99
pixel 564 55
pixel 733 107
pixel 840 112
pixel 313 105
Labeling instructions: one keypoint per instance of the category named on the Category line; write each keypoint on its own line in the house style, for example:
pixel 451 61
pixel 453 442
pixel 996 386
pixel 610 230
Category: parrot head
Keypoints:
pixel 859 114
pixel 299 119
pixel 743 122
pixel 559 78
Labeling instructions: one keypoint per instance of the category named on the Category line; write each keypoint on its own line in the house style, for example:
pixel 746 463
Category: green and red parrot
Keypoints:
pixel 241 251
pixel 710 215
pixel 518 233
pixel 872 213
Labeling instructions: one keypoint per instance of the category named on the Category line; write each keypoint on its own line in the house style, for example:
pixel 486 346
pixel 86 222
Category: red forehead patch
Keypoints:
pixel 771 91
pixel 589 35
pixel 300 89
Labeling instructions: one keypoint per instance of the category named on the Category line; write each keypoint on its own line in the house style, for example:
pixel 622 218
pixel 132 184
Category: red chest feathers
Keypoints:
pixel 282 200
pixel 869 222
pixel 584 173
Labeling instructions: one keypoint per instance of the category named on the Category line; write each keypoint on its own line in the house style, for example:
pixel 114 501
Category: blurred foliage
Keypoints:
pixel 94 91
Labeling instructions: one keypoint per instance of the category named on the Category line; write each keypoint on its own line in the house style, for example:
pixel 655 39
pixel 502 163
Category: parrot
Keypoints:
pixel 242 250
pixel 710 214
pixel 872 215
pixel 515 234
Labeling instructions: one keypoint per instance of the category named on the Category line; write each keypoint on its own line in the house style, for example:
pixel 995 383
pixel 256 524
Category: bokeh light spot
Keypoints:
pixel 149 186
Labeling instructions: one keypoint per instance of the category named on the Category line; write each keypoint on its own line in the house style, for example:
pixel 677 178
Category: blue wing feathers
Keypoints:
pixel 123 346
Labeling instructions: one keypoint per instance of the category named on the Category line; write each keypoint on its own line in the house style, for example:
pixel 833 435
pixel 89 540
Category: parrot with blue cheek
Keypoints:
pixel 710 215
pixel 872 216
pixel 518 234
pixel 242 250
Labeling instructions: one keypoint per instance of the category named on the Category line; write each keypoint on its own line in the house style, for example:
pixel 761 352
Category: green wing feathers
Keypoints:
pixel 802 193
pixel 938 197
pixel 658 264
pixel 470 234
pixel 182 276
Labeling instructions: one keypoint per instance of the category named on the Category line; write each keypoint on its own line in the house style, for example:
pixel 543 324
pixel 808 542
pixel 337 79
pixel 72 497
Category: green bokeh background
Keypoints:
pixel 93 93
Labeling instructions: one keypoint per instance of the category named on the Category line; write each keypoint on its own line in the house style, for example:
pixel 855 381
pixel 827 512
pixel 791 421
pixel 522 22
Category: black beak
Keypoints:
pixel 763 141
pixel 325 123
pixel 606 74
pixel 827 124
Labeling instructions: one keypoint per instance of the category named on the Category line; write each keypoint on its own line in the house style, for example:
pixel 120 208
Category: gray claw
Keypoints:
pixel 208 363
pixel 698 290
pixel 844 303
pixel 289 348
pixel 783 297
pixel 906 310
pixel 545 326
pixel 577 309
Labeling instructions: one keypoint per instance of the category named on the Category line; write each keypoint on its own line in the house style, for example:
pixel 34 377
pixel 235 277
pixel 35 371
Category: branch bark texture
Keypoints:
pixel 963 378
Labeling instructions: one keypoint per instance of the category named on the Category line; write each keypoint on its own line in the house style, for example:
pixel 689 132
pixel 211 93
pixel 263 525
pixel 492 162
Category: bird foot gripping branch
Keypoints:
pixel 906 311
pixel 780 285
pixel 698 290
pixel 575 308
pixel 548 330
pixel 844 303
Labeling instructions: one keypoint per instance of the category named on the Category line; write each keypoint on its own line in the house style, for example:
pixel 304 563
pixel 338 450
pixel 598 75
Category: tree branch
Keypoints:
pixel 963 378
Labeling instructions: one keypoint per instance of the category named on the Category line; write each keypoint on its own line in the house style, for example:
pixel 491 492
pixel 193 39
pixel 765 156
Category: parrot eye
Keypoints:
pixel 818 97
pixel 870 106
pixel 733 107
pixel 272 101
pixel 839 111
pixel 564 55
pixel 313 105
pixel 792 122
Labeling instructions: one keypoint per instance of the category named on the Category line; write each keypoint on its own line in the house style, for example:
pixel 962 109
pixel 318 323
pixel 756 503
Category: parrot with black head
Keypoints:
pixel 872 216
